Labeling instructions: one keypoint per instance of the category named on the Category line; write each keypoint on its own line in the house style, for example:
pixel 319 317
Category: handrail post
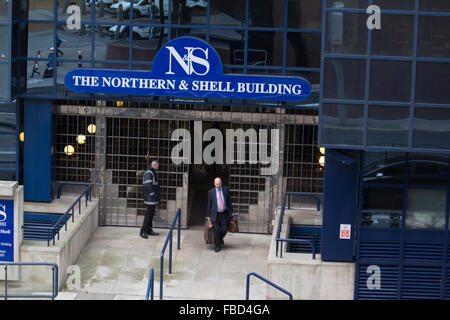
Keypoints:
pixel 150 285
pixel 6 282
pixel 170 251
pixel 315 245
pixel 266 281
pixel 289 200
pixel 179 229
pixel 161 275
pixel 53 282
pixel 247 287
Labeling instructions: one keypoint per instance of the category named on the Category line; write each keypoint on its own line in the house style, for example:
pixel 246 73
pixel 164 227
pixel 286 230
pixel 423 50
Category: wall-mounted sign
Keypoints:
pixel 188 67
pixel 6 230
pixel 344 232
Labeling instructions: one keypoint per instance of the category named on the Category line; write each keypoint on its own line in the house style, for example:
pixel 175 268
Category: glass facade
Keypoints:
pixel 410 188
pixel 396 77
pixel 8 141
pixel 251 37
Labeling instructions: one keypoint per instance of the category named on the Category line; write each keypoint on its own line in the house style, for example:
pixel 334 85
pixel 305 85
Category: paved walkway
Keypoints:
pixel 115 265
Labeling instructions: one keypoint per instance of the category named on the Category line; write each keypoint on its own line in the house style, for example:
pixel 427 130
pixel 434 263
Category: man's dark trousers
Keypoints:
pixel 148 219
pixel 220 228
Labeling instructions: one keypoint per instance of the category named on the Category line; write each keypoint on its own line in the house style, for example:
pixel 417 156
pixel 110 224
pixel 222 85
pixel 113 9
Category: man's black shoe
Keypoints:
pixel 143 236
pixel 152 233
pixel 216 249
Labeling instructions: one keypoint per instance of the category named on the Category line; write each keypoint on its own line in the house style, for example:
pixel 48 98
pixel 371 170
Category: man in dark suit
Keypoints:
pixel 220 211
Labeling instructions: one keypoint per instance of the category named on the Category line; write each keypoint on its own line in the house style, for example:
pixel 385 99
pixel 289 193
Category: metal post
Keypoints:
pixel 247 289
pixel 53 282
pixel 179 228
pixel 170 251
pixel 161 275
pixel 6 281
pixel 289 201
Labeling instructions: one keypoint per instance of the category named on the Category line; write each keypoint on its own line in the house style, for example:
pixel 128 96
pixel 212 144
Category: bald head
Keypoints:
pixel 218 183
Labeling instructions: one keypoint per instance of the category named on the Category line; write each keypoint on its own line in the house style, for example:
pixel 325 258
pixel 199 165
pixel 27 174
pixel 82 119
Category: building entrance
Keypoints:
pixel 115 140
pixel 201 178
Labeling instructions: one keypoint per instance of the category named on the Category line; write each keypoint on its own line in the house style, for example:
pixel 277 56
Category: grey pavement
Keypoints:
pixel 115 265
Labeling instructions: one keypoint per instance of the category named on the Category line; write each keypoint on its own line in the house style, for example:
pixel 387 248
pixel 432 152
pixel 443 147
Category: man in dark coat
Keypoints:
pixel 152 197
pixel 220 211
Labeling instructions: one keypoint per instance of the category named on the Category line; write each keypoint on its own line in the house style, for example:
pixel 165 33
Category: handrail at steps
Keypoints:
pixel 280 223
pixel 247 290
pixel 150 285
pixel 86 193
pixel 169 239
pixel 54 279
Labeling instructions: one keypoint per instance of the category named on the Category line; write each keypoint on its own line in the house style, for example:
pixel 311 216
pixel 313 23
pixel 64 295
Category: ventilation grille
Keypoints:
pixel 379 250
pixel 388 288
pixel 421 282
pixel 423 252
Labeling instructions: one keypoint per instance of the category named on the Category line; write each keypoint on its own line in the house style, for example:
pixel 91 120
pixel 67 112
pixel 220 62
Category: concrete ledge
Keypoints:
pixel 304 277
pixel 66 250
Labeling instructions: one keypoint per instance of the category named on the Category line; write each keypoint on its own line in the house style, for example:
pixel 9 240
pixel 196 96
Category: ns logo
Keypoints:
pixel 195 60
pixel 2 213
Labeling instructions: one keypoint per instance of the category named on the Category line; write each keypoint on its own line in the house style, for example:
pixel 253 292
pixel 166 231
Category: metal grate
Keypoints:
pixel 301 159
pixel 382 250
pixel 128 135
pixel 421 282
pixel 388 286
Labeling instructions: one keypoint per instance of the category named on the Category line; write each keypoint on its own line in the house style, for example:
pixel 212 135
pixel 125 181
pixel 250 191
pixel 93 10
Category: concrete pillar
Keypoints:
pixel 100 162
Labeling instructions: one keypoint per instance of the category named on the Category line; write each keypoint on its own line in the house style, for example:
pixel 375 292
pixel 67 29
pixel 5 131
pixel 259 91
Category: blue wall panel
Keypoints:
pixel 339 205
pixel 38 151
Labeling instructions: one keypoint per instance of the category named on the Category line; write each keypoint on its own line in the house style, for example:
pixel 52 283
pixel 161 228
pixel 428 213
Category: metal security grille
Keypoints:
pixel 251 192
pixel 127 135
pixel 302 170
pixel 130 145
pixel 74 148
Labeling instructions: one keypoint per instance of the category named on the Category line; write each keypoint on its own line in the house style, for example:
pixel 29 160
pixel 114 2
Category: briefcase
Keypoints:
pixel 208 233
pixel 233 226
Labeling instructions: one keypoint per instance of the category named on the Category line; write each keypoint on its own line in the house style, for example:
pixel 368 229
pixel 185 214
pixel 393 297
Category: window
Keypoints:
pixel 390 81
pixel 434 37
pixel 342 124
pixel 431 128
pixel 396 36
pixel 388 126
pixel 344 79
pixel 432 83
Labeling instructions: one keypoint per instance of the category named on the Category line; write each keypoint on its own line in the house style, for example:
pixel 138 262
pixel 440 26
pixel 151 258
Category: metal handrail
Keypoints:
pixel 247 290
pixel 169 239
pixel 302 194
pixel 54 279
pixel 280 223
pixel 150 285
pixel 87 193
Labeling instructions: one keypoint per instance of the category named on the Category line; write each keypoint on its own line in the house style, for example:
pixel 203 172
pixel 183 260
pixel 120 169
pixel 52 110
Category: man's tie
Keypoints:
pixel 220 201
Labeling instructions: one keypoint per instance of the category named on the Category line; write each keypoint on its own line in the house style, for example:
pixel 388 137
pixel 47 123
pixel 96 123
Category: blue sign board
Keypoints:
pixel 6 230
pixel 188 67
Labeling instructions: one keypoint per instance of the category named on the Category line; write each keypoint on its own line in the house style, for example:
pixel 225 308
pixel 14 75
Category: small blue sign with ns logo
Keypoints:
pixel 188 67
pixel 6 230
